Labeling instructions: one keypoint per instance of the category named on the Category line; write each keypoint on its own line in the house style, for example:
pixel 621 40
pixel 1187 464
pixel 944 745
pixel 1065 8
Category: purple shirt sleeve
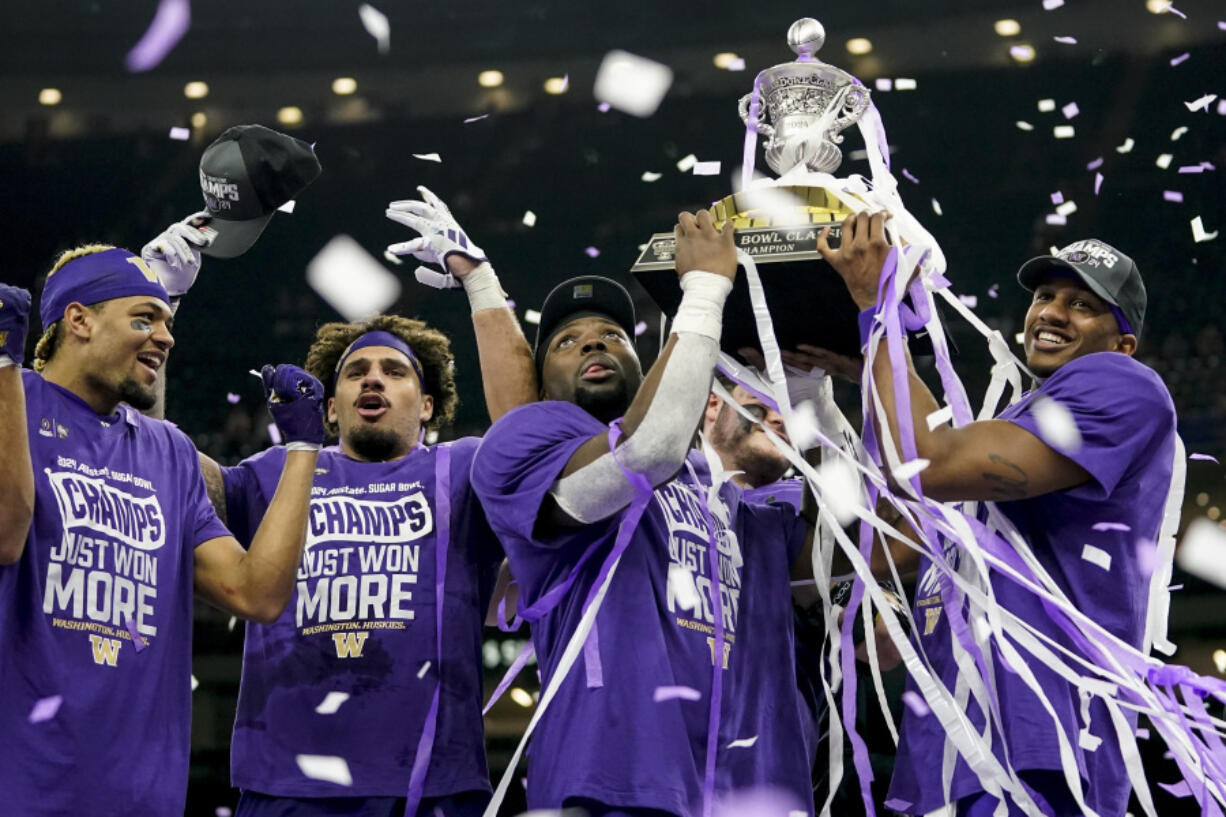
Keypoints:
pixel 1119 406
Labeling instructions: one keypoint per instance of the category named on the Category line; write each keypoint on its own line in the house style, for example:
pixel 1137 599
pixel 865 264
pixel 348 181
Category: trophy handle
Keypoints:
pixel 852 102
pixel 761 127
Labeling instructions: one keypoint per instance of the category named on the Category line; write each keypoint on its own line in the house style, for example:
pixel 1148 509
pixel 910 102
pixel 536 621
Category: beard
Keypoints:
pixel 732 436
pixel 376 444
pixel 605 403
pixel 141 398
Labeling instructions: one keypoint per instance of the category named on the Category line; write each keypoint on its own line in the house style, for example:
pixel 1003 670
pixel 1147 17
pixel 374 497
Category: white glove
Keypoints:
pixel 441 235
pixel 175 255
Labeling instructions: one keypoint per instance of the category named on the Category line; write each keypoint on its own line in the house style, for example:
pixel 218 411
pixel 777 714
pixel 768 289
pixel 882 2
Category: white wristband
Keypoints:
pixel 301 446
pixel 6 361
pixel 483 289
pixel 702 305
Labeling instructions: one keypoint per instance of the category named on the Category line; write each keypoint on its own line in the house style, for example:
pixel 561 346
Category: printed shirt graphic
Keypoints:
pixel 619 746
pixel 120 505
pixel 362 622
pixel 1127 424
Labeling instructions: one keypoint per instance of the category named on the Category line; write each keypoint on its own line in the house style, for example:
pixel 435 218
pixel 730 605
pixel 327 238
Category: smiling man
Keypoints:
pixel 1081 332
pixel 106 528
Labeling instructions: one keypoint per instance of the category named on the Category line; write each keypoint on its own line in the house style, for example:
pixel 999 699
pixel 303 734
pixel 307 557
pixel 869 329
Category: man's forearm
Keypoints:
pixel 271 563
pixel 508 372
pixel 16 470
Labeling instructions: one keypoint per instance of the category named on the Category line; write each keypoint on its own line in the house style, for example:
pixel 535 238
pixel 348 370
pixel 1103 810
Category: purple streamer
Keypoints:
pixel 1206 457
pixel 670 693
pixel 751 133
pixel 170 23
pixel 138 641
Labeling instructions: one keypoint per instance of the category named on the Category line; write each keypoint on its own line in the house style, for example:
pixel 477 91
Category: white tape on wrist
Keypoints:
pixel 301 446
pixel 6 361
pixel 701 309
pixel 483 289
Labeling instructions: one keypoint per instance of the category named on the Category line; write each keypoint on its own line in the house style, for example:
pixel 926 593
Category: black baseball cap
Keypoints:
pixel 245 175
pixel 574 297
pixel 1108 273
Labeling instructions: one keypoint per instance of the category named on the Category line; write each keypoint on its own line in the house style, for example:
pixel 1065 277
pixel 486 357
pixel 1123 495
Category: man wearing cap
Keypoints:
pixel 1081 334
pixel 684 689
pixel 375 664
pixel 105 531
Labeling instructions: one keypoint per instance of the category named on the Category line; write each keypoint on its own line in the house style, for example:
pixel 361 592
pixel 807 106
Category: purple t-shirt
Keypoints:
pixel 119 508
pixel 362 622
pixel 1127 424
pixel 612 743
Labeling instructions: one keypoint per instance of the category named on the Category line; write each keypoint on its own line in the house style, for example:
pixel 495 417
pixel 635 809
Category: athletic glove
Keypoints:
pixel 175 255
pixel 295 400
pixel 441 236
pixel 14 321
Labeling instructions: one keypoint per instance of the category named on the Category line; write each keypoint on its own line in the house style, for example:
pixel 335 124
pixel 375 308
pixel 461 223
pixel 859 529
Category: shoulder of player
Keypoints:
pixel 1111 370
pixel 547 418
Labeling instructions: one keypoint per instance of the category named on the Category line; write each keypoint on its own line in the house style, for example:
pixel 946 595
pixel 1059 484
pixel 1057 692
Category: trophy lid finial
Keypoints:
pixel 805 37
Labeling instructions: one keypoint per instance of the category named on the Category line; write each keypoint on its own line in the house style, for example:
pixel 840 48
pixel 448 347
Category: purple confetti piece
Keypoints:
pixel 1176 60
pixel 1174 587
pixel 1098 182
pixel 897 804
pixel 1177 12
pixel 45 708
pixel 907 175
pixel 170 23
pixel 1057 198
pixel 1102 526
pixel 510 304
pixel 640 328
pixel 1070 110
pixel 592 252
pixel 1221 24
pixel 668 693
pixel 1180 789
pixel 938 281
pixel 274 434
pixel 1172 195
pixel 994 291
pixel 603 107
pixel 180 134
pixel 1196 456
pixel 223 811
pixel 472 119
pixel 138 641
pixel 232 398
pixel 1192 169
pixel 969 300
pixel 1096 164
pixel 1019 52
pixel 915 702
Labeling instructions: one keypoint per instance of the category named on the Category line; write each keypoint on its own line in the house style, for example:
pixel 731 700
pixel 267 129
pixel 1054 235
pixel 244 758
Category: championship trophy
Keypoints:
pixel 807 103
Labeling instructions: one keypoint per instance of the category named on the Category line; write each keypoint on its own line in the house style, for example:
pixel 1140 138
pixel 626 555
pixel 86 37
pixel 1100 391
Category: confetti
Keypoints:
pixel 1142 733
pixel 840 485
pixel 994 291
pixel 1198 231
pixel 910 468
pixel 650 176
pixel 1221 107
pixel 936 207
pixel 472 119
pixel 707 168
pixel 288 207
pixel 325 767
pixel 532 316
pixel 1067 209
pixel 1070 110
pixel 1064 131
pixel 231 623
pixel 909 177
pixel 603 107
pixel 1191 169
pixel 181 134
pixel 232 398
pixel 1047 105
pixel 195 683
pixel 274 434
pixel 1164 160
pixel 428 157
pixel 331 703
pixel 376 25
pixel 915 702
pixel 1172 195
pixel 1057 197
pixel 1200 104
pixel 1127 146
pixel 1098 182
pixel 1204 457
pixel 640 328
pixel 392 258
pixel 970 300
pixel 737 64
pixel 1177 60
pixel 743 743
pixel 1048 5
pixel 1056 425
pixel 1106 526
pixel 529 218
pixel 676 692
pixel 633 84
pixel 592 252
pixel 884 84
pixel 1096 556
pixel 686 163
pixel 1066 40
pixel 1180 789
pixel 1096 164
pixel 1056 218
pixel 681 587
pixel 138 641
pixel 421 673
pixel 170 23
pixel 351 280
pixel 1021 52
pixel 904 84
pixel 44 709
pixel 1021 125
pixel 1203 551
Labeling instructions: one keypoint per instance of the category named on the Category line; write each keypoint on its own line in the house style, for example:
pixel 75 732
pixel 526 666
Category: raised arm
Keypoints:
pixel 257 583
pixel 985 460
pixel 16 470
pixel 508 374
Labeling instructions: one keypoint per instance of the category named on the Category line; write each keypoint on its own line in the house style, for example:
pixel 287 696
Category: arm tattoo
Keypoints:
pixel 1011 485
pixel 214 485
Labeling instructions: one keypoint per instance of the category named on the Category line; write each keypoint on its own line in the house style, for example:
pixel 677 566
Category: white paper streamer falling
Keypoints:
pixel 1203 551
pixel 325 767
pixel 632 84
pixel 376 25
pixel 1096 556
pixel 421 673
pixel 351 280
pixel 1200 104
pixel 1198 231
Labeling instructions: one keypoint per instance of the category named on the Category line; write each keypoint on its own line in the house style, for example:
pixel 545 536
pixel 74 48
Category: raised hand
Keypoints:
pixel 295 400
pixel 703 246
pixel 861 255
pixel 442 241
pixel 175 254
pixel 14 321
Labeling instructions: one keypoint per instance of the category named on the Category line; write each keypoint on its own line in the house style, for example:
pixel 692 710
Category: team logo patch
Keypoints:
pixel 582 291
pixel 1077 257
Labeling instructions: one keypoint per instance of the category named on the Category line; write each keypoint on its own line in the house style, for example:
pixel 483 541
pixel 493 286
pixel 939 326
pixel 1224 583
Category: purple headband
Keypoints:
pixel 380 338
pixel 97 277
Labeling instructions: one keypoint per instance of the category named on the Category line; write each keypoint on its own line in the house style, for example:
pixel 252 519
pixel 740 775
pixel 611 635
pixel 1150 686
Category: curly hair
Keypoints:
pixel 431 346
pixel 53 333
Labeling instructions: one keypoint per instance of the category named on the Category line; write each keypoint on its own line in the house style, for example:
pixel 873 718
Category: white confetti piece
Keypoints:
pixel 532 316
pixel 472 119
pixel 1020 337
pixel 915 702
pixel 1047 105
pixel 936 207
pixel 650 176
pixel 904 84
pixel 421 673
pixel 288 207
pixel 1048 5
pixel 44 709
pixel 908 469
pixel 1096 556
pixel 428 157
pixel 686 163
pixel 940 417
pixel 1024 53
pixel 743 743
pixel 331 703
pixel 737 64
pixel 325 767
pixel 1198 231
pixel 1127 146
pixel 376 25
pixel 1070 110
pixel 671 693
pixel 884 84
pixel 1066 40
pixel 1177 60
pixel 1056 425
pixel 1088 742
pixel 1056 219
pixel 1067 209
pixel 1203 551
pixel 681 587
pixel 1022 125
pixel 1064 131
pixel 1200 104
pixel 1098 183
pixel 1164 160
pixel 231 623
pixel 529 218
pixel 351 280
pixel 274 434
pixel 840 486
pixel 633 84
pixel 180 134
pixel 707 168
pixel 195 683
pixel 1106 526
pixel 392 258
